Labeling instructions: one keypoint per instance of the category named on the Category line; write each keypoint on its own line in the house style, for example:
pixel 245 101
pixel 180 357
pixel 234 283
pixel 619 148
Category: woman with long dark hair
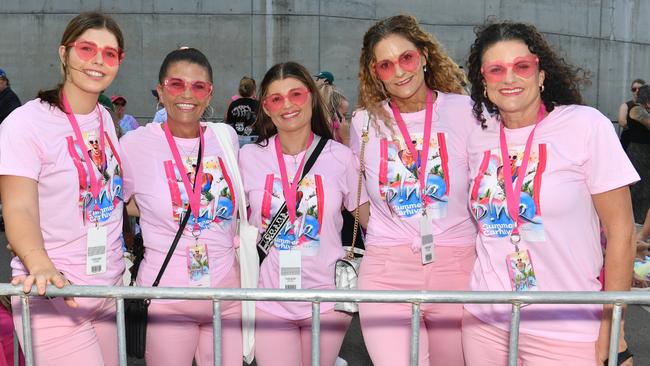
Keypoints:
pixel 544 169
pixel 297 178
pixel 61 184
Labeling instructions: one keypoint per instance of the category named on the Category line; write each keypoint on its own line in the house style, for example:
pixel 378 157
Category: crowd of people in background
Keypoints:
pixel 505 189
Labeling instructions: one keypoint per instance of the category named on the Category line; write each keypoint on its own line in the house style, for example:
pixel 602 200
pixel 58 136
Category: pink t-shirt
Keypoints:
pixel 330 185
pixel 392 186
pixel 37 142
pixel 152 178
pixel 575 154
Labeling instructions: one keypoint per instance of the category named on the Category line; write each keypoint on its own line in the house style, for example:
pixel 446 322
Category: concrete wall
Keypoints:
pixel 607 37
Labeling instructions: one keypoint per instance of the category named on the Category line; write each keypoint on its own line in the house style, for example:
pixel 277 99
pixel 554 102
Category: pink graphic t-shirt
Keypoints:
pixel 575 154
pixel 330 185
pixel 152 178
pixel 38 142
pixel 391 175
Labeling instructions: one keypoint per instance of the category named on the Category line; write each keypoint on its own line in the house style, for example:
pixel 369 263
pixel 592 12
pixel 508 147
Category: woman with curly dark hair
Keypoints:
pixel 416 178
pixel 538 212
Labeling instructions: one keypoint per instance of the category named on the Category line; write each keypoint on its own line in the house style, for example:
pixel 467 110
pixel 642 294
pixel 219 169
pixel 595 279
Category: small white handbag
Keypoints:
pixel 249 263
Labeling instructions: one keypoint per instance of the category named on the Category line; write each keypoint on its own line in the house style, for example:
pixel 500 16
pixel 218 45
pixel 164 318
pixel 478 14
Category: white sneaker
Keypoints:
pixel 340 362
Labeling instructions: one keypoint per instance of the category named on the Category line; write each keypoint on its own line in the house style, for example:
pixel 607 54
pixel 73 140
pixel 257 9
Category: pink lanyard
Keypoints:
pixel 513 196
pixel 94 180
pixel 424 157
pixel 194 195
pixel 290 190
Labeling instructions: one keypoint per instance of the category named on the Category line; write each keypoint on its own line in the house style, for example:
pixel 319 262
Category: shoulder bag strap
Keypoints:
pixel 362 173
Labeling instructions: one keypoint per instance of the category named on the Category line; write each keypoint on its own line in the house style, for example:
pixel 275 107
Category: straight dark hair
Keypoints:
pixel 319 122
pixel 75 28
pixel 191 55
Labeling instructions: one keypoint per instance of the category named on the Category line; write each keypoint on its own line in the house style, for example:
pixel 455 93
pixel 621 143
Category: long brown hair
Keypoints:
pixel 319 122
pixel 75 28
pixel 442 74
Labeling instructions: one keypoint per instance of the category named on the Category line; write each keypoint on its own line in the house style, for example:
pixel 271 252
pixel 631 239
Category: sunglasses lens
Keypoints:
pixel 494 73
pixel 85 50
pixel 111 56
pixel 175 86
pixel 385 70
pixel 634 90
pixel 298 96
pixel 274 102
pixel 201 89
pixel 524 69
pixel 409 61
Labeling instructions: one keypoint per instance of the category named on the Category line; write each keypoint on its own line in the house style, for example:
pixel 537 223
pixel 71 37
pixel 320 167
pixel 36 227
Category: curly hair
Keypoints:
pixel 442 73
pixel 281 71
pixel 644 95
pixel 561 79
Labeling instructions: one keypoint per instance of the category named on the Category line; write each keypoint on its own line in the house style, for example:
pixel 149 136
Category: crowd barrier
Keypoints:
pixel 415 298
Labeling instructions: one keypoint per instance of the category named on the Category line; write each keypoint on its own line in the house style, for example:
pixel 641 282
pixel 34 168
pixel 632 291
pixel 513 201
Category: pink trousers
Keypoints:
pixel 7 339
pixel 486 345
pixel 387 327
pixel 62 336
pixel 178 332
pixel 279 341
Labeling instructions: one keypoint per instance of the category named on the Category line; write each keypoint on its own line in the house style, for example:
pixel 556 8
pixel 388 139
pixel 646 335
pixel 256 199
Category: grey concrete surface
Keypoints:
pixel 608 38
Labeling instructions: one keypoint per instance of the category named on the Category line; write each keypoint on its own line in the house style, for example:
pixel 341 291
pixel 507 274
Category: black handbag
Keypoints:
pixel 136 311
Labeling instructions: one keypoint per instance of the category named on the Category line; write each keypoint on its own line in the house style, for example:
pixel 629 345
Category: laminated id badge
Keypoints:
pixel 521 271
pixel 290 267
pixel 426 239
pixel 96 241
pixel 198 265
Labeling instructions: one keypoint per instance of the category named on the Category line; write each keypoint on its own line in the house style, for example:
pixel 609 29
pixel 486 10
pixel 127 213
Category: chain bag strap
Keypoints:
pixel 347 268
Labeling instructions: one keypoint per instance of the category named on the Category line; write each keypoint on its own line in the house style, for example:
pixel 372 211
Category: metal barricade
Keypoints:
pixel 416 298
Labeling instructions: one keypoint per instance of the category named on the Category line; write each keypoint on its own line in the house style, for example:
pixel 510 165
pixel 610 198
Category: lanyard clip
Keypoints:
pixel 515 238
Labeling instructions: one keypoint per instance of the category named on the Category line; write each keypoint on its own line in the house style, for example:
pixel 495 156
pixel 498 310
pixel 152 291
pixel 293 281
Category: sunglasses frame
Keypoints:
pixel 120 52
pixel 509 65
pixel 170 90
pixel 284 97
pixel 393 62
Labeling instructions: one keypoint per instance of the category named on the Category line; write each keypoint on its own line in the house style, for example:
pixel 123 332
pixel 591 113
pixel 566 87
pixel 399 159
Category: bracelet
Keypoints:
pixel 31 251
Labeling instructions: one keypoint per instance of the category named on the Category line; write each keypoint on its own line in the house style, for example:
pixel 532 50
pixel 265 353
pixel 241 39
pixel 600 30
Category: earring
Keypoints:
pixel 485 93
pixel 541 88
pixel 424 68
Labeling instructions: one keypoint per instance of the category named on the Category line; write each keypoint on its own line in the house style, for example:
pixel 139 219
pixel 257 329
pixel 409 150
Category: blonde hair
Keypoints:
pixel 442 73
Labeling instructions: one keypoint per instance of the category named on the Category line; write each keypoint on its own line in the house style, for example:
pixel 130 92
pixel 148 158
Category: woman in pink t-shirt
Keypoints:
pixel 416 177
pixel 160 164
pixel 302 255
pixel 538 214
pixel 61 184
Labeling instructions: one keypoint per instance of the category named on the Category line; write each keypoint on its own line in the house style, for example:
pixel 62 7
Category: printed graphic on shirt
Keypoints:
pixel 217 201
pixel 488 199
pixel 305 231
pixel 106 167
pixel 398 180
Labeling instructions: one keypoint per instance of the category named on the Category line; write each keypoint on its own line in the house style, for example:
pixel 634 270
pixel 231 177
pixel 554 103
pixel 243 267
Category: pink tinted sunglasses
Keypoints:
pixel 297 96
pixel 87 50
pixel 408 61
pixel 524 66
pixel 176 87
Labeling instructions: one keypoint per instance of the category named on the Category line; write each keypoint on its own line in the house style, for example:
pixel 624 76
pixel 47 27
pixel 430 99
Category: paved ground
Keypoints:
pixel 637 329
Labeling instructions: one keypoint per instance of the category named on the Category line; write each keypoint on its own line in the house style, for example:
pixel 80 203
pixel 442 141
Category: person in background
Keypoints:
pixel 161 114
pixel 416 178
pixel 62 209
pixel 8 99
pixel 241 113
pixel 324 77
pixel 544 171
pixel 336 107
pixel 632 130
pixel 126 121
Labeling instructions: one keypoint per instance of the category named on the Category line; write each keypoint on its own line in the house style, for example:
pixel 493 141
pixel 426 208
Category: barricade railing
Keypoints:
pixel 416 298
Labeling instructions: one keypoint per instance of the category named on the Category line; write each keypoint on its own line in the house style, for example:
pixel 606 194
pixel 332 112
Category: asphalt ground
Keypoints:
pixel 637 328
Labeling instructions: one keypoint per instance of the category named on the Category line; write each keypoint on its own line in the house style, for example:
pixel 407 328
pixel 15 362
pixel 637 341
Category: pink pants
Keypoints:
pixel 387 327
pixel 7 339
pixel 178 332
pixel 64 336
pixel 486 345
pixel 279 341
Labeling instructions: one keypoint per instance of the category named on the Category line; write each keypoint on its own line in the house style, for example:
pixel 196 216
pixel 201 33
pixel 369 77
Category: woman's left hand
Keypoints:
pixel 602 344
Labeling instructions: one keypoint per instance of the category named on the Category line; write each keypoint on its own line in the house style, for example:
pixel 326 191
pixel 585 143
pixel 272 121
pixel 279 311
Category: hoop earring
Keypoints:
pixel 485 93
